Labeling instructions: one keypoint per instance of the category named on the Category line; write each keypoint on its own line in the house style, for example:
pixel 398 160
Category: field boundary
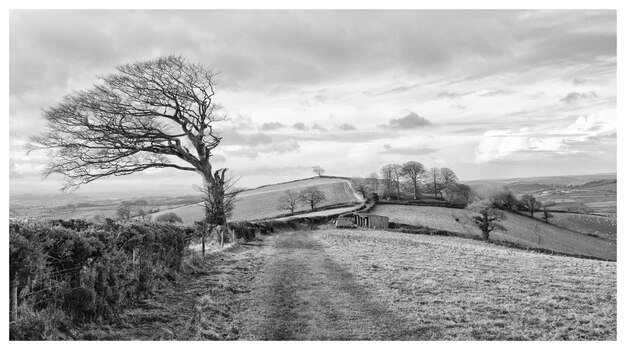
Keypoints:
pixel 423 230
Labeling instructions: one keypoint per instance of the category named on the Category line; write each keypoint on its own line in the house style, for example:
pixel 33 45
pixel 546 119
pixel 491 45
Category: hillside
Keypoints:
pixel 520 230
pixel 262 202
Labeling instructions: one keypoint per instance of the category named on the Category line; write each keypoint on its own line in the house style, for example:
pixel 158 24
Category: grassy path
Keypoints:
pixel 303 294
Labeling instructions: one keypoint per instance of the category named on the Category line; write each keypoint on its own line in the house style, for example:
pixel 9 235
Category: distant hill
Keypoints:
pixel 262 202
pixel 546 182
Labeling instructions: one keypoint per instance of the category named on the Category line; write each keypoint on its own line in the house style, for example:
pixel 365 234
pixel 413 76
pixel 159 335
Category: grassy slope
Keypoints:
pixel 453 288
pixel 521 230
pixel 262 202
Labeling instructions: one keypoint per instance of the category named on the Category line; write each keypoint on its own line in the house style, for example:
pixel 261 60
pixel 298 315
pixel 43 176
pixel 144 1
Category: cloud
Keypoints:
pixel 318 127
pixel 575 97
pixel 410 121
pixel 346 127
pixel 579 81
pixel 278 147
pixel 272 126
pixel 233 137
pixel 449 95
pixel 506 143
pixel 409 151
pixel 300 126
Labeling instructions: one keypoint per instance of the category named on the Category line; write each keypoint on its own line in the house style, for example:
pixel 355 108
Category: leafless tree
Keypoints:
pixel 319 171
pixel 146 115
pixel 372 182
pixel 448 178
pixel 312 196
pixel 414 171
pixel 289 201
pixel 392 173
pixel 435 181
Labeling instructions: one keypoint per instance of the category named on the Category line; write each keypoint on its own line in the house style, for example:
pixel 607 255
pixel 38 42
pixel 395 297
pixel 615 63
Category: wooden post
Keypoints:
pixel 203 243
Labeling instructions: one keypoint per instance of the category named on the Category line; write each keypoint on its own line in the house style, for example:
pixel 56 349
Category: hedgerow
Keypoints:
pixel 87 271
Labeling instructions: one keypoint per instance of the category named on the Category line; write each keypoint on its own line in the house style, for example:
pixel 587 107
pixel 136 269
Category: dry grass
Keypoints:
pixel 263 202
pixel 461 289
pixel 520 229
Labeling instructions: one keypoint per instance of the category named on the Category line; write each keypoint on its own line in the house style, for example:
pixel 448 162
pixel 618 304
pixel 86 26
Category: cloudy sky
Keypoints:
pixel 489 94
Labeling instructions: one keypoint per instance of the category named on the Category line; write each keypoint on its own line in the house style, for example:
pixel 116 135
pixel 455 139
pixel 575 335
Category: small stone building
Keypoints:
pixel 372 221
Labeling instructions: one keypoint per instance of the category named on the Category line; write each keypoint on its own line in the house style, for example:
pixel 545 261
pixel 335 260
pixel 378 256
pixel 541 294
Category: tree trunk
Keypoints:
pixel 414 188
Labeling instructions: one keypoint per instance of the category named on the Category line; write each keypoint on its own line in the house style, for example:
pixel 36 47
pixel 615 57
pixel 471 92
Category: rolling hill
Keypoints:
pixel 262 202
pixel 521 230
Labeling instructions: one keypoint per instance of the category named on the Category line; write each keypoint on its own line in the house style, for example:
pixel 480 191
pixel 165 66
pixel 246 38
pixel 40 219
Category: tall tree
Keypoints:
pixel 392 174
pixel 435 181
pixel 531 203
pixel 448 178
pixel 144 116
pixel 414 171
pixel 372 182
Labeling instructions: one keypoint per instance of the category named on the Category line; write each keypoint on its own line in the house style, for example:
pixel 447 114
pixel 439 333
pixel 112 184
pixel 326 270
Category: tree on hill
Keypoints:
pixel 488 218
pixel 319 171
pixel 392 174
pixel 158 113
pixel 448 178
pixel 414 171
pixel 123 210
pixel 530 203
pixel 372 182
pixel 170 218
pixel 504 199
pixel 459 193
pixel 312 196
pixel 434 181
pixel 289 201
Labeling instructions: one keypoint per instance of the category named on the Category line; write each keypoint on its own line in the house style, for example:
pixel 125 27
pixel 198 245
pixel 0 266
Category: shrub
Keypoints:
pixel 87 271
pixel 171 218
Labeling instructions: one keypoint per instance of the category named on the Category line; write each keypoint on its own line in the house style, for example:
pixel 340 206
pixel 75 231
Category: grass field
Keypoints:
pixel 450 288
pixel 520 229
pixel 263 202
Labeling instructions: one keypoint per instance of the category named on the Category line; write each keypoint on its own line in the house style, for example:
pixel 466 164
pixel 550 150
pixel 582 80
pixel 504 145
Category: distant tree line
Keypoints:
pixel 413 180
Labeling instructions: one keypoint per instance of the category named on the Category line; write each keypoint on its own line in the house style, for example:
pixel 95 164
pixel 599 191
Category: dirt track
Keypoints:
pixel 301 293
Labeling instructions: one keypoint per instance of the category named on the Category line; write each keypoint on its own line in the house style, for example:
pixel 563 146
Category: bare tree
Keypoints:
pixel 289 201
pixel 414 172
pixel 312 196
pixel 392 173
pixel 488 217
pixel 448 178
pixel 372 182
pixel 144 116
pixel 531 203
pixel 319 171
pixel 435 181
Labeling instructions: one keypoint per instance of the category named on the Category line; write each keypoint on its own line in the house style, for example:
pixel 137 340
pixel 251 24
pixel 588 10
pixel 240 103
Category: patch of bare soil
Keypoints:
pixel 198 307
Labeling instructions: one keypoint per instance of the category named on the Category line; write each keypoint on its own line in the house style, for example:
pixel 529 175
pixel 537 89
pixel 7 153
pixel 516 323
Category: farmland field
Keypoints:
pixel 520 229
pixel 376 285
pixel 261 203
